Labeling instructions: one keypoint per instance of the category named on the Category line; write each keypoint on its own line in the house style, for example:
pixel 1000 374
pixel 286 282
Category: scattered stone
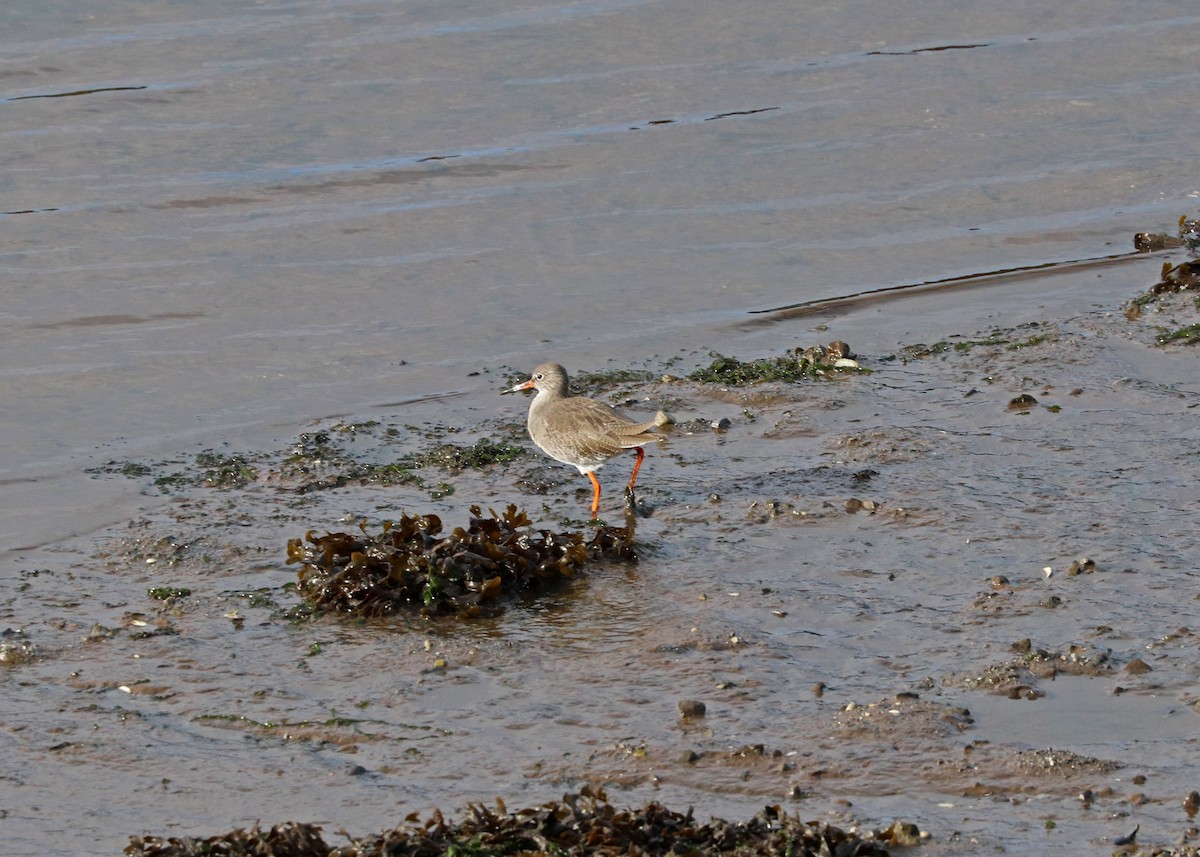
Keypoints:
pixel 906 715
pixel 16 648
pixel 691 708
pixel 1018 678
pixel 1083 565
pixel 838 350
pixel 1061 762
pixel 902 834
pixel 1191 804
pixel 1152 242
pixel 1138 667
pixel 1022 402
pixel 1128 840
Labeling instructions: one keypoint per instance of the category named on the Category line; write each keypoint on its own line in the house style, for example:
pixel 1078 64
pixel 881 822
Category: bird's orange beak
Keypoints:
pixel 526 385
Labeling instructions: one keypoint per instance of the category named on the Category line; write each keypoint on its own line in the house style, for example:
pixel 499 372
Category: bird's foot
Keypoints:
pixel 635 508
pixel 631 513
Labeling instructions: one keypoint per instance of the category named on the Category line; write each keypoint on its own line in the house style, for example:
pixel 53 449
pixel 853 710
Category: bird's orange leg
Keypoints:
pixel 596 496
pixel 641 454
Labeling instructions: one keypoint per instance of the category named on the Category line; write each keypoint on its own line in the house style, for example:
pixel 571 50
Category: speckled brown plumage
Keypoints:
pixel 583 432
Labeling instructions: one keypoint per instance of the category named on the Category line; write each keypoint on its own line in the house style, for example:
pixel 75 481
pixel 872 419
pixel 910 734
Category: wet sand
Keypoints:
pixel 910 659
pixel 315 216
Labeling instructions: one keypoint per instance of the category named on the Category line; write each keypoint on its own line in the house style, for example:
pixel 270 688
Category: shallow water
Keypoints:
pixel 257 241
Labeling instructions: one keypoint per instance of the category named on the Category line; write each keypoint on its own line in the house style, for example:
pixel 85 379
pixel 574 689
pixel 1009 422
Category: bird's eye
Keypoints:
pixel 539 376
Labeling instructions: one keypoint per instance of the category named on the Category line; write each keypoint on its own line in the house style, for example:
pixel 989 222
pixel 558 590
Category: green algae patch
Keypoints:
pixel 410 565
pixel 1010 340
pixel 483 453
pixel 225 471
pixel 366 454
pixel 1189 335
pixel 596 382
pixel 165 593
pixel 801 364
pixel 584 823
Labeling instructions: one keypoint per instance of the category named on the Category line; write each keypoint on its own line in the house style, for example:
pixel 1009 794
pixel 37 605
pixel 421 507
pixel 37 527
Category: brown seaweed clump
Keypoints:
pixel 1184 277
pixel 579 824
pixel 410 564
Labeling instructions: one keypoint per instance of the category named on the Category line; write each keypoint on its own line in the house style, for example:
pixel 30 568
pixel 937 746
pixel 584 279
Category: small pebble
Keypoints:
pixel 1127 840
pixel 838 349
pixel 689 708
pixel 1191 804
pixel 1083 565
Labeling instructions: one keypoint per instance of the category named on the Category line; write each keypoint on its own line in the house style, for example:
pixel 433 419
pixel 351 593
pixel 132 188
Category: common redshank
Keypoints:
pixel 580 431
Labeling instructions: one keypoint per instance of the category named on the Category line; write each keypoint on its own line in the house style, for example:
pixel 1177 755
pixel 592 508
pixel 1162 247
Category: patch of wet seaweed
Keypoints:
pixel 323 460
pixel 1009 339
pixel 410 565
pixel 800 364
pixel 583 823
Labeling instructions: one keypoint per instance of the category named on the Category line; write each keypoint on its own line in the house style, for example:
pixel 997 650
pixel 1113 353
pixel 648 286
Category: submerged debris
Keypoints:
pixel 1184 277
pixel 797 365
pixel 904 714
pixel 582 823
pixel 1060 762
pixel 1187 235
pixel 16 648
pixel 409 564
pixel 1018 677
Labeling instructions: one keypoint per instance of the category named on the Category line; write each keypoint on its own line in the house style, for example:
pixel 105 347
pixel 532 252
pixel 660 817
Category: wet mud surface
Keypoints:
pixel 957 589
